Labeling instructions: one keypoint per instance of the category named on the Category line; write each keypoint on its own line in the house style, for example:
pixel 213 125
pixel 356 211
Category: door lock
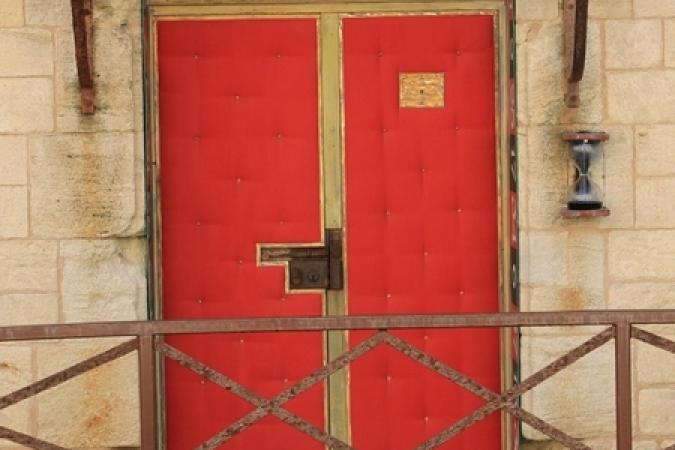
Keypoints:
pixel 311 267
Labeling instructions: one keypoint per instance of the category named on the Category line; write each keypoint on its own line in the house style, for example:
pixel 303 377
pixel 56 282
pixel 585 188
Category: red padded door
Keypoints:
pixel 421 203
pixel 238 114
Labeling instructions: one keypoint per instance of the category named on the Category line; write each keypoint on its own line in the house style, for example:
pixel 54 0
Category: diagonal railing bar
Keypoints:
pixel 653 339
pixel 546 428
pixel 263 404
pixel 672 447
pixel 28 441
pixel 67 374
pixel 304 384
pixel 479 390
pixel 519 389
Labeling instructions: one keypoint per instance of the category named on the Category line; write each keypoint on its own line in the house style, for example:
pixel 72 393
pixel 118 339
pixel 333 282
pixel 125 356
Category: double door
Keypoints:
pixel 285 140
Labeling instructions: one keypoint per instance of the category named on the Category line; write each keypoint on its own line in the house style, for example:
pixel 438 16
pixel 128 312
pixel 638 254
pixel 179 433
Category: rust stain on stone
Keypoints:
pixel 572 298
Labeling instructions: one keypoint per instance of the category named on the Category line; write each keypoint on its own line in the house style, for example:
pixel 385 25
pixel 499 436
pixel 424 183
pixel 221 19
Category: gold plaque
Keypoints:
pixel 421 90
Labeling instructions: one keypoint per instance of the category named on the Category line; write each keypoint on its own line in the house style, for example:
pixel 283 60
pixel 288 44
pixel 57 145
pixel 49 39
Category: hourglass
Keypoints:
pixel 585 198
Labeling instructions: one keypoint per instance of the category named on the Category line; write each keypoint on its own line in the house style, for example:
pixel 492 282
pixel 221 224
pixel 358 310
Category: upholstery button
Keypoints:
pixel 426 337
pixel 423 170
pixel 241 261
pixel 200 301
pixel 281 222
pixel 459 52
pixel 196 138
pixel 279 135
pixel 384 130
pixel 195 55
pixel 198 223
pixel 456 127
pixel 459 210
pixel 202 382
pixel 380 53
pixel 426 418
pixel 426 253
pixel 461 292
pixel 388 296
pixel 285 380
pixel 241 341
pixel 278 55
pixel 283 299
pixel 388 377
pixel 238 180
pixel 236 97
pixel 387 213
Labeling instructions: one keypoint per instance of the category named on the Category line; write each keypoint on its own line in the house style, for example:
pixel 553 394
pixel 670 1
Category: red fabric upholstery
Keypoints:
pixel 421 222
pixel 239 166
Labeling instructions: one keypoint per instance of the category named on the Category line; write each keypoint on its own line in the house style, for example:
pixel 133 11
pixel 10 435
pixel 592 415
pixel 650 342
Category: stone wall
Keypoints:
pixel 623 261
pixel 72 246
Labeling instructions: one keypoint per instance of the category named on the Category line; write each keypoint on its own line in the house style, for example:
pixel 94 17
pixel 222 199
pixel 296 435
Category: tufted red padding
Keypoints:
pixel 421 222
pixel 239 166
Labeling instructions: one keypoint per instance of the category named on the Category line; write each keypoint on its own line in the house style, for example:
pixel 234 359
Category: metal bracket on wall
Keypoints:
pixel 576 29
pixel 83 31
pixel 311 267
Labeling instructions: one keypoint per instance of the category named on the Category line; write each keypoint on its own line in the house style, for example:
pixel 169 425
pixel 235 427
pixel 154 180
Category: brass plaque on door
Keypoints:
pixel 421 90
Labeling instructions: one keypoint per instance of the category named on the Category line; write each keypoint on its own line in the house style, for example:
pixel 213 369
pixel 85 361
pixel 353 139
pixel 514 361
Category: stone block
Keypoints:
pixel 655 365
pixel 642 296
pixel 547 174
pixel 13 160
pixel 49 12
pixel 641 97
pixel 633 44
pixel 97 409
pixel 29 309
pixel 113 50
pixel 653 208
pixel 27 105
pixel 669 42
pixel 642 255
pixel 27 265
pixel 610 9
pixel 16 371
pixel 654 8
pixel 83 185
pixel 656 408
pixel 25 52
pixel 545 83
pixel 654 156
pixel 579 400
pixel 547 258
pixel 13 211
pixel 11 13
pixel 103 280
pixel 538 9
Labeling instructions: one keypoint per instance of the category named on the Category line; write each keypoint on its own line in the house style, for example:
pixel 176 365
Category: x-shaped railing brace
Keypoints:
pixel 273 406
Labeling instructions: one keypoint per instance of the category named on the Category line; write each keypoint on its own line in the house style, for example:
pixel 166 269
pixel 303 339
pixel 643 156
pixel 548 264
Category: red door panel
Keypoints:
pixel 421 203
pixel 238 114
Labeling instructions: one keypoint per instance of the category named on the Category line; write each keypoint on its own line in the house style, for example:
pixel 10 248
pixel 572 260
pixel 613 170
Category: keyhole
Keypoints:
pixel 313 277
pixel 421 91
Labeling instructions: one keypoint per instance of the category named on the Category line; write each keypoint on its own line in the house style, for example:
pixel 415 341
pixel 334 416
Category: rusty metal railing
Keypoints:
pixel 621 327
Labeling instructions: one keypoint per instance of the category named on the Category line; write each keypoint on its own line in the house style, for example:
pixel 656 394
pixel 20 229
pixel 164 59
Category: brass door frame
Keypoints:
pixel 331 132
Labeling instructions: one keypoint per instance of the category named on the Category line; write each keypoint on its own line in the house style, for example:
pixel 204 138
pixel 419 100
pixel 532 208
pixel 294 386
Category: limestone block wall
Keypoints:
pixel 623 261
pixel 72 244
pixel 72 237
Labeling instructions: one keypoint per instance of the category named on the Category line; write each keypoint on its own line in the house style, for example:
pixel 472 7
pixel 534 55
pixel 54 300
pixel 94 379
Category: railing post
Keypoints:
pixel 624 432
pixel 146 364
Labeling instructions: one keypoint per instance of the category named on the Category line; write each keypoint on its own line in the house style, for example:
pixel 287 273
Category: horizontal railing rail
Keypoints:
pixel 621 326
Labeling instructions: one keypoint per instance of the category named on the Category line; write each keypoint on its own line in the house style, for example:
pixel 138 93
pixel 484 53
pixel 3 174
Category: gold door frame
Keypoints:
pixel 331 134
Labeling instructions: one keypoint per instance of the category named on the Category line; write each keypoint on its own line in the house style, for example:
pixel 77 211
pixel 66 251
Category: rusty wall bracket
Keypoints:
pixel 576 29
pixel 83 31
